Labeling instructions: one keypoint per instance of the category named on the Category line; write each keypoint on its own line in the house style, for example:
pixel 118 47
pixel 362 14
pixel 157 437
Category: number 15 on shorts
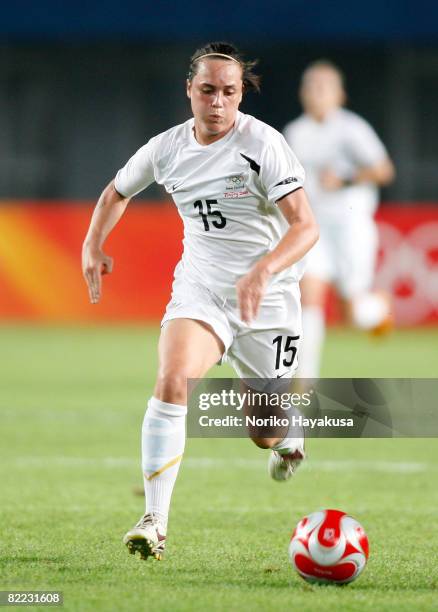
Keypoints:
pixel 286 351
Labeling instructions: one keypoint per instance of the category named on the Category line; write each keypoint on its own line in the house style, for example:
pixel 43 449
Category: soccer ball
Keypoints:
pixel 329 546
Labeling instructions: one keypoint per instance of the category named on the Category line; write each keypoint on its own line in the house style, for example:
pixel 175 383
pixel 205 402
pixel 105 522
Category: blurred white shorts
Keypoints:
pixel 345 256
pixel 266 348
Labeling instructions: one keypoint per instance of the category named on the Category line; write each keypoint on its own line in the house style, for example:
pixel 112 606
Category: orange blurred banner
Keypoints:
pixel 41 278
pixel 40 263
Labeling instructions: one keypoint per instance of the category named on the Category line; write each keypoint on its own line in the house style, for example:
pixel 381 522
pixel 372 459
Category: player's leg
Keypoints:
pixel 268 355
pixel 314 285
pixel 313 297
pixel 187 349
pixel 363 307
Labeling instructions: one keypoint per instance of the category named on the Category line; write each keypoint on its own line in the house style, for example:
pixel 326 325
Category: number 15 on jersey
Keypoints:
pixel 208 215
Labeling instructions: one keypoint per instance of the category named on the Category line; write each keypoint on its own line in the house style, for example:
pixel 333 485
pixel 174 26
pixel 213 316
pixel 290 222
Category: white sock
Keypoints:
pixel 163 441
pixel 309 356
pixel 289 445
pixel 294 439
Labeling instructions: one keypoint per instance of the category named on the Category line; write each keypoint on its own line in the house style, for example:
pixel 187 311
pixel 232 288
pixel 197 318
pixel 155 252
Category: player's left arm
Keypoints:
pixel 297 241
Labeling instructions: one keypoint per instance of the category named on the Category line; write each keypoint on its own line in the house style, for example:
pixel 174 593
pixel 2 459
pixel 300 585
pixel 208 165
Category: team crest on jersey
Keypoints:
pixel 235 186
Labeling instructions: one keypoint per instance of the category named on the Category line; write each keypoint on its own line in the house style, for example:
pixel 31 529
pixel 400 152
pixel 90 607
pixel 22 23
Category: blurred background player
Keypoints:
pixel 345 164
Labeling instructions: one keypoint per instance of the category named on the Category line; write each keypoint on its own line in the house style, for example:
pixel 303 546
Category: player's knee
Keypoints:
pixel 265 442
pixel 171 385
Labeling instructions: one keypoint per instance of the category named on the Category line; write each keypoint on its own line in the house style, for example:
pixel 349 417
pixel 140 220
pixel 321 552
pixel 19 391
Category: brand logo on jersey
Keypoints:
pixel 235 187
pixel 284 374
pixel 289 179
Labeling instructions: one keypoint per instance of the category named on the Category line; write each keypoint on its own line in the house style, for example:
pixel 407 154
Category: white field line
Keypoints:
pixel 339 465
pixel 325 465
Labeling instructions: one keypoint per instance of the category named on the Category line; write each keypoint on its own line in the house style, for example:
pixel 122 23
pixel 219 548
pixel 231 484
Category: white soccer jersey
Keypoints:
pixel 343 143
pixel 226 194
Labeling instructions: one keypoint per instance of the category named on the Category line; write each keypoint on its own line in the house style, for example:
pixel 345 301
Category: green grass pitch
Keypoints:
pixel 71 405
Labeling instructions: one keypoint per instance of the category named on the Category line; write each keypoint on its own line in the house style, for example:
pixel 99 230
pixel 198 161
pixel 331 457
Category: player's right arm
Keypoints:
pixel 135 176
pixel 109 208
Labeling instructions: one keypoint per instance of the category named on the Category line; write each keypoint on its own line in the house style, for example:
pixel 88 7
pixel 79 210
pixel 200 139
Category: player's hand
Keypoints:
pixel 94 264
pixel 250 291
pixel 330 181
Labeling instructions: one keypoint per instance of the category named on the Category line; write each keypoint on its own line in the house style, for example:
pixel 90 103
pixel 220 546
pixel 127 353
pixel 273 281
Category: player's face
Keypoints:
pixel 321 92
pixel 215 93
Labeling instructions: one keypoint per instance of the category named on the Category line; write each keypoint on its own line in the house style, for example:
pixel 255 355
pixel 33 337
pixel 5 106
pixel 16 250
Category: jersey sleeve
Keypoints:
pixel 138 172
pixel 364 145
pixel 280 171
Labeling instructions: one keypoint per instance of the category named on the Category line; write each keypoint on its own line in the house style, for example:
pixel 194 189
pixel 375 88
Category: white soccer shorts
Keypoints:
pixel 266 348
pixel 345 255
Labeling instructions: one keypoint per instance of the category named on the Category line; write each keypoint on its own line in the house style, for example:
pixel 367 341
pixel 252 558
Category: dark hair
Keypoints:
pixel 251 81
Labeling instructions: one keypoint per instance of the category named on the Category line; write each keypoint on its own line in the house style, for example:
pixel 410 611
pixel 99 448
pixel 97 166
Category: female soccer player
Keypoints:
pixel 345 163
pixel 235 295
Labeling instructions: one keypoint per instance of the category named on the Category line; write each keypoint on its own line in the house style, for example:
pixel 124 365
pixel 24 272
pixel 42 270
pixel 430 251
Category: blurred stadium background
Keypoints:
pixel 81 90
pixel 82 86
